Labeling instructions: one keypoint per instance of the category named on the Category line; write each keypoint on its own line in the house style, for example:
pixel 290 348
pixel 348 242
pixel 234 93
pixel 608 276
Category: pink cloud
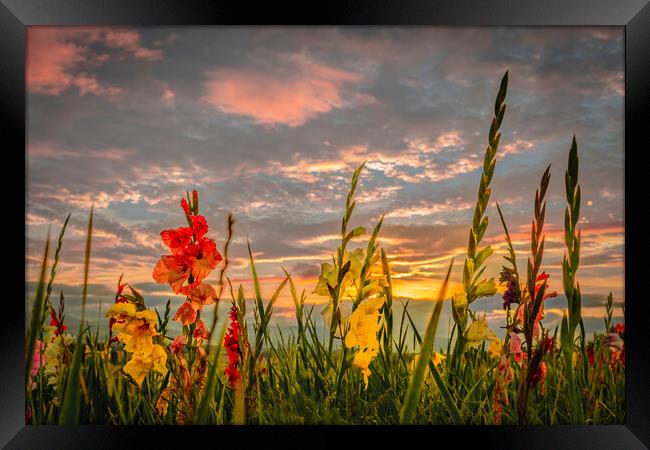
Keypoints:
pixel 41 149
pixel 305 89
pixel 49 60
pixel 168 96
pixel 59 58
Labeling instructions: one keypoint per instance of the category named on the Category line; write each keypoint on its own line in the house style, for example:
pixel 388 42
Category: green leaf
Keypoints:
pixel 483 255
pixel 407 412
pixel 358 231
pixel 485 288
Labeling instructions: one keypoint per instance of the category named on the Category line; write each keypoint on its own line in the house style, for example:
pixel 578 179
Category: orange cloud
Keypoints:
pixel 308 88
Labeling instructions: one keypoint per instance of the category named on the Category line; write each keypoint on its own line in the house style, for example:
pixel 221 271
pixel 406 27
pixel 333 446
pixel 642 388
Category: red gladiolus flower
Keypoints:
pixel 193 255
pixel 231 342
pixel 539 375
pixel 119 298
pixel 590 354
pixel 177 239
pixel 549 343
pixel 200 332
pixel 620 329
pixel 56 322
pixel 199 225
pixel 178 343
pixel 540 280
pixel 185 206
pixel 186 314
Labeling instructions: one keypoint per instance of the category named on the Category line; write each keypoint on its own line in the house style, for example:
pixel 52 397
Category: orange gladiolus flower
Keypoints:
pixel 207 259
pixel 186 314
pixel 172 269
pixel 201 294
pixel 200 332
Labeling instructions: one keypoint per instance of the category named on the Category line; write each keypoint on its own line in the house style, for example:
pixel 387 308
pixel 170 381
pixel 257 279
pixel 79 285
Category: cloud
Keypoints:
pixel 59 58
pixel 296 90
pixel 168 96
pixel 416 104
pixel 428 209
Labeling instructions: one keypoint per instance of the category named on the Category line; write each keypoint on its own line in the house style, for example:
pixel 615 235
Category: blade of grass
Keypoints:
pixel 412 397
pixel 33 331
pixel 71 403
pixel 202 411
pixel 442 385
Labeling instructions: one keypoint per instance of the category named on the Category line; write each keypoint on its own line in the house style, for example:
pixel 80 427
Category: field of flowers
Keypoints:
pixel 364 370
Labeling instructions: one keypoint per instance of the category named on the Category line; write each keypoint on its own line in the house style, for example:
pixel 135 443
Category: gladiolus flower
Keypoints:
pixel 614 342
pixel 510 296
pixel 206 260
pixel 173 270
pixel 185 206
pixel 619 328
pixel 56 322
pixel 549 343
pixel 364 325
pixel 199 225
pixel 438 358
pixel 515 347
pixel 186 314
pixel 231 342
pixel 119 298
pixel 200 332
pixel 121 312
pixel 200 295
pixel 539 375
pixel 195 198
pixel 141 364
pixel 38 360
pixel 495 348
pixel 178 343
pixel 177 239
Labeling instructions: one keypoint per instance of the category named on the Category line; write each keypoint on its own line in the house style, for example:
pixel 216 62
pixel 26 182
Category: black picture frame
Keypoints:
pixel 633 15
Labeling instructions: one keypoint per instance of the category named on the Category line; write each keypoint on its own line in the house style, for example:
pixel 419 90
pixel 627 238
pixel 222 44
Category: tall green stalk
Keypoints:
pixel 474 265
pixel 570 263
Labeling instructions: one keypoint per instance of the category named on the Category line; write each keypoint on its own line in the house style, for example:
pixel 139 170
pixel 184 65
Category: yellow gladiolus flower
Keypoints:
pixel 438 358
pixel 364 325
pixel 495 348
pixel 140 365
pixel 136 329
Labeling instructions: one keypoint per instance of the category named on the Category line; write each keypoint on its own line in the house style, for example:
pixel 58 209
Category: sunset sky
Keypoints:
pixel 269 124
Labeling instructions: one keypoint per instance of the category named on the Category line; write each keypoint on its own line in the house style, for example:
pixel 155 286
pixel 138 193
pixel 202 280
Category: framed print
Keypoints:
pixel 380 220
